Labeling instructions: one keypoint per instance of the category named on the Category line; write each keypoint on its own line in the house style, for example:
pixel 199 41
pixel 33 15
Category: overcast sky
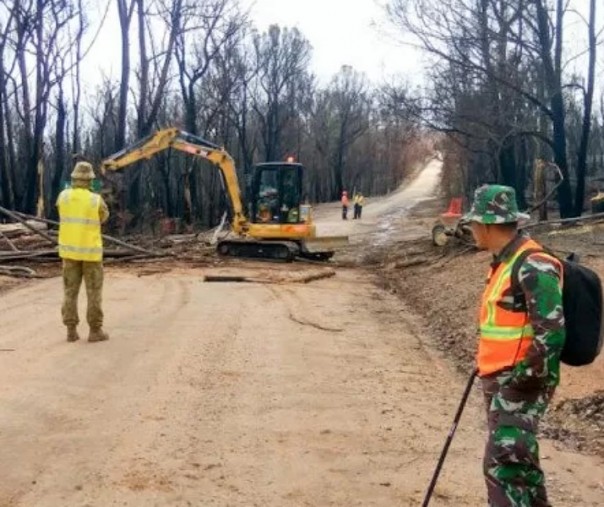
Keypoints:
pixel 342 32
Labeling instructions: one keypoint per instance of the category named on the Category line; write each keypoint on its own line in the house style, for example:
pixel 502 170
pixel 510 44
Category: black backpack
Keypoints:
pixel 582 303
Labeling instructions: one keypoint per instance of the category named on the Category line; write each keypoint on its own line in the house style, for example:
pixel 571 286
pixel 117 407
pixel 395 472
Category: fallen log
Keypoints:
pixel 408 263
pixel 53 255
pixel 106 237
pixel 16 229
pixel 23 221
pixel 311 277
pixel 560 221
pixel 14 256
pixel 233 278
pixel 132 248
pixel 18 272
pixel 9 242
pixel 134 258
pixel 303 278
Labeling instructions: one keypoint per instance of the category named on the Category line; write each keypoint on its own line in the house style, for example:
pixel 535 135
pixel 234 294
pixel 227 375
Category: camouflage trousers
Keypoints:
pixel 73 273
pixel 514 477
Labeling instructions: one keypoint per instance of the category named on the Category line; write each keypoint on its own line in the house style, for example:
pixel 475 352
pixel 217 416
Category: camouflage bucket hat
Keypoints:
pixel 82 171
pixel 495 204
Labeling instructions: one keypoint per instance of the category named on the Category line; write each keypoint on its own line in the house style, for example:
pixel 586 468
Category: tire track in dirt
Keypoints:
pixel 99 372
pixel 211 394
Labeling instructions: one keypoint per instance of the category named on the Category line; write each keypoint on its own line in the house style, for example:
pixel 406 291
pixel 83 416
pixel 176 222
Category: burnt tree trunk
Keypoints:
pixel 553 75
pixel 60 150
pixel 587 107
pixel 125 15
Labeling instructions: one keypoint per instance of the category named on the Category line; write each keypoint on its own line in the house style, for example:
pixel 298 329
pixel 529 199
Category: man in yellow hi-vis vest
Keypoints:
pixel 81 214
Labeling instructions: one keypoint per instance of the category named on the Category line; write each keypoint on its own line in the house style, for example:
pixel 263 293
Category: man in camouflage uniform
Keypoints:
pixel 519 362
pixel 81 214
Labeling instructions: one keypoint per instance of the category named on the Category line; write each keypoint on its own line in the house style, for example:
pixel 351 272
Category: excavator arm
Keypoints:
pixel 188 143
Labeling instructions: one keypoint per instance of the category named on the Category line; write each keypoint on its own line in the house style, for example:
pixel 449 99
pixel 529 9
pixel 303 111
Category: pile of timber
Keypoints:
pixel 589 218
pixel 31 239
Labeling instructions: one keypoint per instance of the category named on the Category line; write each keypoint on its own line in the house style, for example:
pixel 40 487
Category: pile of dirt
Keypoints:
pixel 444 286
pixel 578 423
pixel 590 409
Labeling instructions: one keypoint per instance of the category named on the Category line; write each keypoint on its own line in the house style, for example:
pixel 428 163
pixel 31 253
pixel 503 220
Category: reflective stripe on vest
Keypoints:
pixel 505 336
pixel 80 227
pixel 83 221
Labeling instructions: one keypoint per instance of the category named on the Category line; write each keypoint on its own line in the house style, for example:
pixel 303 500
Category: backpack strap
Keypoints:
pixel 519 299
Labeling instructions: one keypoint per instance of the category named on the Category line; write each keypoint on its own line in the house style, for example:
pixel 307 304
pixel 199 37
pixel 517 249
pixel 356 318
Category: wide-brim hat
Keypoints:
pixel 495 204
pixel 83 171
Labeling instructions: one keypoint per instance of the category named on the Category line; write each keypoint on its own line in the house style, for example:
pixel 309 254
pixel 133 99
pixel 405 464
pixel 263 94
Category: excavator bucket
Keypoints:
pixel 323 244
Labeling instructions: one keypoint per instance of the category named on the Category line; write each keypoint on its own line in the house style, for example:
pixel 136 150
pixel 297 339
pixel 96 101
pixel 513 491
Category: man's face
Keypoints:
pixel 481 235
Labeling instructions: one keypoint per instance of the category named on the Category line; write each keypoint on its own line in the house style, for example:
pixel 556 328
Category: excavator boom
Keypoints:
pixel 172 138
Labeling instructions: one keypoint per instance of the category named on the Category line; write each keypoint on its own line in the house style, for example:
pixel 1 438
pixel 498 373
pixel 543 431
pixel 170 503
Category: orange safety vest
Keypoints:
pixel 505 336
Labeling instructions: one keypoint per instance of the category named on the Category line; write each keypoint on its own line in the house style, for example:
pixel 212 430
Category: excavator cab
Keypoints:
pixel 276 193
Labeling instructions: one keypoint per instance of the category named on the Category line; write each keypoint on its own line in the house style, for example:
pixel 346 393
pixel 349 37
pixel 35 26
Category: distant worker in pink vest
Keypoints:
pixel 345 204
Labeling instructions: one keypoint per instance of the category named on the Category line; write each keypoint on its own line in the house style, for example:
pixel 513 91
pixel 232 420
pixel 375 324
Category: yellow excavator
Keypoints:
pixel 281 227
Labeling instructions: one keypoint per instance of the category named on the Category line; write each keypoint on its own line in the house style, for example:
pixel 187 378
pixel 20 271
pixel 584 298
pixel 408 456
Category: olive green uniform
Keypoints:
pixel 74 271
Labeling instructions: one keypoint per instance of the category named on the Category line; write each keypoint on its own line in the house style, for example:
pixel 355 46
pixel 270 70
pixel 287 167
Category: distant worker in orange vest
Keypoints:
pixel 81 214
pixel 345 204
pixel 522 334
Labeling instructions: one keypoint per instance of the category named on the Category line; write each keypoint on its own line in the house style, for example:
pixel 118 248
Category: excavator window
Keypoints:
pixel 276 194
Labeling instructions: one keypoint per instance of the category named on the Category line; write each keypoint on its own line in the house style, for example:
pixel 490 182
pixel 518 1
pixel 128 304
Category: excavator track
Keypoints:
pixel 281 251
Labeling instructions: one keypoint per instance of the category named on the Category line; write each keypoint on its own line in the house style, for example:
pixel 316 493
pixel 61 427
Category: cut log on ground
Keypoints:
pixel 560 221
pixel 9 242
pixel 23 221
pixel 298 278
pixel 18 272
pixel 311 277
pixel 106 237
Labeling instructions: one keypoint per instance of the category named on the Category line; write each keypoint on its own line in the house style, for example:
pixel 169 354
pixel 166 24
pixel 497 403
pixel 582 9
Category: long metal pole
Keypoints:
pixel 450 436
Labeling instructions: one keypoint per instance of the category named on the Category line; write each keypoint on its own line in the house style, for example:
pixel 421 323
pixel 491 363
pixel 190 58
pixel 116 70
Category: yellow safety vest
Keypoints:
pixel 80 229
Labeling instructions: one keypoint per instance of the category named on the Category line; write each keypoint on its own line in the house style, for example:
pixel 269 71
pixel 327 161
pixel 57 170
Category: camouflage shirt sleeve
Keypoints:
pixel 540 280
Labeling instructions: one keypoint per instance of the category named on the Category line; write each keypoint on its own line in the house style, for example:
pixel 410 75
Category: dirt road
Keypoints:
pixel 239 394
pixel 381 216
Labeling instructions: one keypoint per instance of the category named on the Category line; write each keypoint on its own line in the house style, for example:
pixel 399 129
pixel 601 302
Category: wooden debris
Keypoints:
pixel 9 242
pixel 22 255
pixel 407 263
pixel 17 229
pixel 106 237
pixel 24 222
pixel 234 278
pixel 28 222
pixel 297 278
pixel 560 221
pixel 18 272
pixel 312 276
pixel 127 257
